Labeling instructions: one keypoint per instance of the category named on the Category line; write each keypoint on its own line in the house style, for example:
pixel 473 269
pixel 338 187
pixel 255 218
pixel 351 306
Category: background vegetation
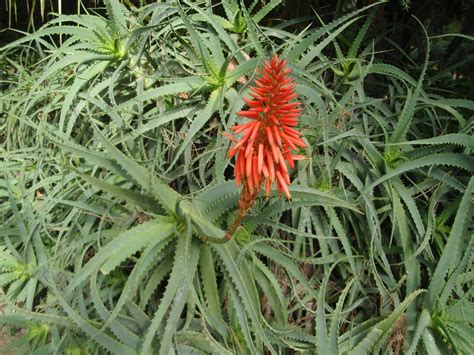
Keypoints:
pixel 116 192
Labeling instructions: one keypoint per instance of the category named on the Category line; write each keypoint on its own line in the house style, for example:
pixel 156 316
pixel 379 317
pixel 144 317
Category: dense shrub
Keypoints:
pixel 116 191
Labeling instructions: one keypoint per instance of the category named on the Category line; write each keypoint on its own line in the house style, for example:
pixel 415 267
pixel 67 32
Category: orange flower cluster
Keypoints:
pixel 263 151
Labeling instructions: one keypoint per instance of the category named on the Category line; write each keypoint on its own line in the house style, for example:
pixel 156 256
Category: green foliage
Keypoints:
pixel 116 191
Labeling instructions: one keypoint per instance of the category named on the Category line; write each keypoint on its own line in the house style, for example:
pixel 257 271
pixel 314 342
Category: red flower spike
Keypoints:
pixel 283 185
pixel 260 158
pixel 271 167
pixel 263 152
pixel 265 171
pixel 276 134
pixel 227 135
pixel 291 161
pixel 268 185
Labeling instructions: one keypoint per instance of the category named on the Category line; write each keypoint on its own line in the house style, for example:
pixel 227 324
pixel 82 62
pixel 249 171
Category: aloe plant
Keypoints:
pixel 116 191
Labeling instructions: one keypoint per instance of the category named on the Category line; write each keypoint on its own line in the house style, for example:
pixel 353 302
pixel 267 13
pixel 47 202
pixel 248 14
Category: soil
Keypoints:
pixel 5 342
pixel 6 339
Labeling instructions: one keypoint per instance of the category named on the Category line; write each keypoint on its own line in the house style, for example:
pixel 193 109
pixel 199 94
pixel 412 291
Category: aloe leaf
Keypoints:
pixel 120 331
pixel 381 329
pixel 459 160
pixel 456 242
pixel 162 270
pixel 313 36
pixel 118 16
pixel 333 344
pixel 209 283
pixel 197 42
pixel 252 31
pixel 218 24
pixel 454 138
pixel 316 51
pixel 217 199
pixel 286 263
pixel 423 322
pixel 227 254
pixel 408 111
pixel 165 194
pixel 354 48
pixel 126 244
pixel 178 288
pixel 133 197
pixel 265 9
pixel 430 343
pixel 272 289
pixel 81 79
pixel 197 124
pixel 100 337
